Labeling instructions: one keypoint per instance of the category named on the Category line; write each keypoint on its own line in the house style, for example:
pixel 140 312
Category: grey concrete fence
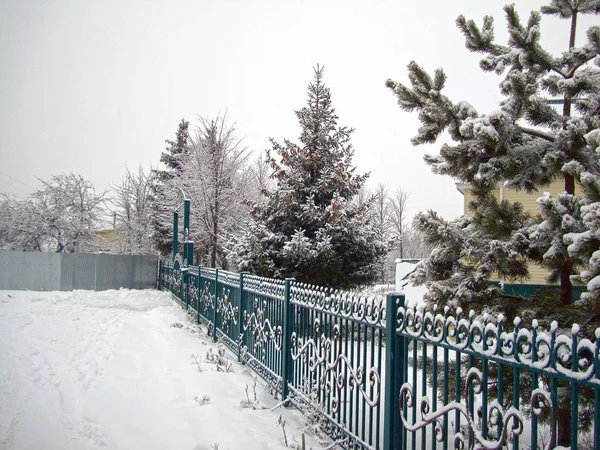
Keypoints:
pixel 67 271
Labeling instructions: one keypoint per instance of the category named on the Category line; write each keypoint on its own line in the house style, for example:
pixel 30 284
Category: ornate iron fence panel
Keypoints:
pixel 193 288
pixel 228 309
pixel 206 298
pixel 338 361
pixel 262 326
pixel 375 374
pixel 467 382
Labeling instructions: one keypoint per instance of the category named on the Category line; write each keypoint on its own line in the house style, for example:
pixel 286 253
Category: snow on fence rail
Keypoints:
pixel 376 374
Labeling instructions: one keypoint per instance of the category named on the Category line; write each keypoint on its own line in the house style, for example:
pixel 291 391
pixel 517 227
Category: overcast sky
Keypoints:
pixel 92 86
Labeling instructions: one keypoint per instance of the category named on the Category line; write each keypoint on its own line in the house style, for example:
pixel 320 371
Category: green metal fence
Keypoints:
pixel 380 375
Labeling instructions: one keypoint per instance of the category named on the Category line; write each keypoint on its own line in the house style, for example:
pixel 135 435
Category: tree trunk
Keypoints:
pixel 566 288
pixel 564 426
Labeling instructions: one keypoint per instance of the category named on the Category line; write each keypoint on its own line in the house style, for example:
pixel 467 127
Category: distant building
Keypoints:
pixel 106 240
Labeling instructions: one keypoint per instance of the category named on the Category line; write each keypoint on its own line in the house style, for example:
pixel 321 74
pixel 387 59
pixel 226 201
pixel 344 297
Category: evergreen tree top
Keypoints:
pixel 177 148
pixel 526 141
pixel 320 166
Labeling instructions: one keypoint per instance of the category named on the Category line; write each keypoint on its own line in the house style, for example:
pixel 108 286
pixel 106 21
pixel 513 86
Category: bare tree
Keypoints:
pixel 132 215
pixel 216 177
pixel 413 244
pixel 262 183
pixel 397 216
pixel 382 223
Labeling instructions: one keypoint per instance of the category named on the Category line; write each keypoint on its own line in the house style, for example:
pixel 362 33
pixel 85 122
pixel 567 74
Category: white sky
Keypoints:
pixel 93 86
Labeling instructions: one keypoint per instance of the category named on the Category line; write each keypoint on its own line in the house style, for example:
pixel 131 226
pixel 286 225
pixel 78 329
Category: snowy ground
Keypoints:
pixel 90 370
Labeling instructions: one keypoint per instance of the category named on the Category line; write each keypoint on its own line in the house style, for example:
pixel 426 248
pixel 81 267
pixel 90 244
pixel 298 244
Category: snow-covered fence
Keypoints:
pixel 37 271
pixel 376 374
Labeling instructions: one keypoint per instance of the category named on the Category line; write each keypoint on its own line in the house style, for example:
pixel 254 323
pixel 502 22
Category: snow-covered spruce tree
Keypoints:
pixel 165 193
pixel 524 144
pixel 309 227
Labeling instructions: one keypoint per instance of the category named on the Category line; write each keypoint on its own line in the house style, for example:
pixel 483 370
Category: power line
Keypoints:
pixel 10 187
pixel 13 178
pixel 9 194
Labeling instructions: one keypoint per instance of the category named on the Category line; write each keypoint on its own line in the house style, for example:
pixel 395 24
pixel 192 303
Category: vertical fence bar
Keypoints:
pixel 215 302
pixel 500 376
pixel 243 307
pixel 445 395
pixel 574 389
pixel 175 233
pixel 534 385
pixel 186 279
pixel 394 375
pixel 434 390
pixel 516 381
pixel 286 361
pixel 423 386
pixel 198 296
pixel 597 392
pixel 415 356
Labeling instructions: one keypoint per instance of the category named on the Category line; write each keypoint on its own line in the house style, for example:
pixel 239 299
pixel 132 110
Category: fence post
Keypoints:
pixel 215 303
pixel 160 269
pixel 199 296
pixel 175 232
pixel 186 279
pixel 394 376
pixel 286 354
pixel 243 307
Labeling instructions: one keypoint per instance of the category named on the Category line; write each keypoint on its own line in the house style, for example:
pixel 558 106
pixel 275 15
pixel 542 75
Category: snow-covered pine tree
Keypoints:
pixel 525 144
pixel 308 227
pixel 164 192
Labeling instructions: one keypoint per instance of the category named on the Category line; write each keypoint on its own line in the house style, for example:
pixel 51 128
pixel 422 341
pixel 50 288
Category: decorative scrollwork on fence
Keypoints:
pixel 326 353
pixel 193 292
pixel 550 350
pixel 370 310
pixel 503 424
pixel 206 299
pixel 176 280
pixel 261 329
pixel 226 310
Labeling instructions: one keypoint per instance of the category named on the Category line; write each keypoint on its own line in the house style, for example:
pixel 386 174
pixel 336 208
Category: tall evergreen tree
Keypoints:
pixel 525 144
pixel 308 227
pixel 164 191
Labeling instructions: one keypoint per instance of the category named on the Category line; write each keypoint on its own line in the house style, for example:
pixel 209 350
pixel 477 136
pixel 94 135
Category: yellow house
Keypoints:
pixel 537 274
pixel 106 240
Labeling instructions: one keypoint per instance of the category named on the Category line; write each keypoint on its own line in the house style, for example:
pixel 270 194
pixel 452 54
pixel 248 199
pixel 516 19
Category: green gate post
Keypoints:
pixel 188 246
pixel 394 376
pixel 175 232
pixel 286 351
pixel 215 303
pixel 243 307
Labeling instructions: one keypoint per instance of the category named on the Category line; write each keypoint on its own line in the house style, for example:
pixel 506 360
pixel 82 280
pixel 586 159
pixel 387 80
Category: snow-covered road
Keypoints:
pixel 89 370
